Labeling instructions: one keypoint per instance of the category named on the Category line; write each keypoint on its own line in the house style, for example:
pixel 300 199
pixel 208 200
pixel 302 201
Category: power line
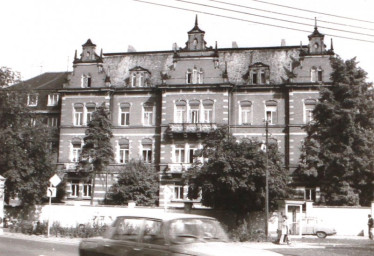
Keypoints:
pixel 290 15
pixel 272 18
pixel 305 10
pixel 249 21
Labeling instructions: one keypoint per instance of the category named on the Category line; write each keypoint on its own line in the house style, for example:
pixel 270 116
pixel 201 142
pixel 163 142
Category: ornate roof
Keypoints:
pixel 196 28
pixel 88 43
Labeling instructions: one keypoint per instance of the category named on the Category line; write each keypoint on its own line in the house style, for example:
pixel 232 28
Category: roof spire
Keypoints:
pixel 196 23
pixel 332 46
pixel 315 22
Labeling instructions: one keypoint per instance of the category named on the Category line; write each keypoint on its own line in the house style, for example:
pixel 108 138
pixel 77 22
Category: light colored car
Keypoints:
pixel 312 226
pixel 169 234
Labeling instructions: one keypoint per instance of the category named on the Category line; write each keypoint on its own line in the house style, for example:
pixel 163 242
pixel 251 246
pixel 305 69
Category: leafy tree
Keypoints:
pixel 233 177
pixel 137 182
pixel 337 153
pixel 8 77
pixel 97 151
pixel 25 158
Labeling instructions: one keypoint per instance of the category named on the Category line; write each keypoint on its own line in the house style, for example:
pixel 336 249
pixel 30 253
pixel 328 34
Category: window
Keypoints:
pixel 179 154
pixel 90 109
pixel 153 232
pixel 74 188
pixel 313 74
pixel 133 79
pixel 128 229
pixel 271 112
pixel 141 80
pixel 76 149
pixel 191 153
pixel 78 114
pixel 194 76
pixel 32 99
pixel 139 77
pixel 32 121
pixel 245 112
pixel 316 74
pixel 52 122
pixel 309 106
pixel 194 111
pixel 310 194
pixel 125 114
pixel 86 81
pixel 147 150
pixel 189 77
pixel 319 74
pixel 180 111
pixel 259 73
pixel 178 193
pixel 208 111
pixel 124 151
pixel 148 114
pixel 87 188
pixel 53 99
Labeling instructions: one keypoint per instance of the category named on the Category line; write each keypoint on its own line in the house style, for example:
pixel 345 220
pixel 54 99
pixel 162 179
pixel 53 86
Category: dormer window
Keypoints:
pixel 316 74
pixel 32 99
pixel 139 77
pixel 86 81
pixel 194 76
pixel 259 73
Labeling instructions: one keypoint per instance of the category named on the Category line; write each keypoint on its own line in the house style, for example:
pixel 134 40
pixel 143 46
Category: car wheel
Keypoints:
pixel 321 234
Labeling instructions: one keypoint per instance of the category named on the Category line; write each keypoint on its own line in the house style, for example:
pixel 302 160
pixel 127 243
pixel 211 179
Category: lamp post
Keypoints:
pixel 266 178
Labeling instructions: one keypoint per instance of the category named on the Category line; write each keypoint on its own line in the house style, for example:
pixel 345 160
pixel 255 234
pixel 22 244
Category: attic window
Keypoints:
pixel 86 81
pixel 259 73
pixel 194 76
pixel 32 99
pixel 139 77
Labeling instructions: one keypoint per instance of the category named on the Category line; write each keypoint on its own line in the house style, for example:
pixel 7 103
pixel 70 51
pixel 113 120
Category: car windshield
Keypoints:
pixel 193 230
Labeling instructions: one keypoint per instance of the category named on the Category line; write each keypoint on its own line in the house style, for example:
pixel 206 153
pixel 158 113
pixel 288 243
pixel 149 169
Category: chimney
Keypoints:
pixel 175 47
pixel 131 49
pixel 283 42
pixel 234 44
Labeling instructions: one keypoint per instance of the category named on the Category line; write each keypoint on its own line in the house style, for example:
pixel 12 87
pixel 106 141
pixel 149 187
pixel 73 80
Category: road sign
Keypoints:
pixel 51 192
pixel 55 180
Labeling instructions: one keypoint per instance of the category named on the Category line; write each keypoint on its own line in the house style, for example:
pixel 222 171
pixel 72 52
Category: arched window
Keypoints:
pixel 208 111
pixel 76 149
pixel 148 113
pixel 271 112
pixel 78 114
pixel 245 116
pixel 123 156
pixel 147 150
pixel 180 111
pixel 124 114
pixel 194 114
pixel 90 107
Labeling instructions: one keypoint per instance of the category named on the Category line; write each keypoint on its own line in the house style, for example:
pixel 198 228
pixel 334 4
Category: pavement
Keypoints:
pixel 304 242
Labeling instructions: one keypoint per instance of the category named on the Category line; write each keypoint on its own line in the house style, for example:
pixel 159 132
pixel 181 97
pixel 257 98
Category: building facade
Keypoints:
pixel 163 103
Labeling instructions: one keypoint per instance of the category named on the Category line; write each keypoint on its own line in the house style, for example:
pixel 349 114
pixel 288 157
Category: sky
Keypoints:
pixel 42 35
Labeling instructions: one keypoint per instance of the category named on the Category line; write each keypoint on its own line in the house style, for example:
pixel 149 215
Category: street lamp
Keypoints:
pixel 266 178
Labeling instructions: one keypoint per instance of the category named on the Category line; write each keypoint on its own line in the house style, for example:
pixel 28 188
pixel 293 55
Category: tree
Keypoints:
pixel 337 153
pixel 8 77
pixel 233 177
pixel 97 151
pixel 25 158
pixel 137 182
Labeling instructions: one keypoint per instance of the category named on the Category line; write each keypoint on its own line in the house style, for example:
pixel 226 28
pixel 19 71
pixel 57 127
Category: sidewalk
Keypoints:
pixel 43 238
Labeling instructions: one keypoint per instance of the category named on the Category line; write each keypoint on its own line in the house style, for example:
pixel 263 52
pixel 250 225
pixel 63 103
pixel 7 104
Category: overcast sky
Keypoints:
pixel 42 35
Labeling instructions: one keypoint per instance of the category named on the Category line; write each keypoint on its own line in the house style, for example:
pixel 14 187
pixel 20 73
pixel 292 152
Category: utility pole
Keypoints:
pixel 266 178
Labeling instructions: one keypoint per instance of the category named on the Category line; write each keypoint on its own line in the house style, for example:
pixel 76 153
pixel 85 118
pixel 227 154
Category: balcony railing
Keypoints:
pixel 192 127
pixel 178 168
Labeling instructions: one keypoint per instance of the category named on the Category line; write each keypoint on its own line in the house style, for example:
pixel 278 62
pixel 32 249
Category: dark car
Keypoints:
pixel 166 234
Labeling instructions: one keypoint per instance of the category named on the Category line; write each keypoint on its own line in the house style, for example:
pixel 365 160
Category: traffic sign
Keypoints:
pixel 51 192
pixel 55 180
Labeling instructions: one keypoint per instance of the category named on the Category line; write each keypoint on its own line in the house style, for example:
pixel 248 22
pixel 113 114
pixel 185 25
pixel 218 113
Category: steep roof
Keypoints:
pixel 45 81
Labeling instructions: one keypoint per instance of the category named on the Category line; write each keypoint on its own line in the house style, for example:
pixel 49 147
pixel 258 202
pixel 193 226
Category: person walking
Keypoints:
pixel 370 226
pixel 284 231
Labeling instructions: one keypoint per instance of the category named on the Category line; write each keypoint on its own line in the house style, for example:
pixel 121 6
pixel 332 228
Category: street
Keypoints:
pixel 26 247
pixel 328 247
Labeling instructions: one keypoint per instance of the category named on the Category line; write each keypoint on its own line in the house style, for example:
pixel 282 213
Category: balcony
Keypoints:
pixel 191 128
pixel 178 168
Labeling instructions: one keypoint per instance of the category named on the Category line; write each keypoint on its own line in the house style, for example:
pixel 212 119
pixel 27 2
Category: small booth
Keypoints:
pixel 293 209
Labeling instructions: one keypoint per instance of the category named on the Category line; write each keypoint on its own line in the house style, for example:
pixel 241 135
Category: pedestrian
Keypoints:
pixel 370 226
pixel 284 231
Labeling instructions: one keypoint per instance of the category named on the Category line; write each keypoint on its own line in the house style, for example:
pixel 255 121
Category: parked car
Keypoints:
pixel 312 226
pixel 165 234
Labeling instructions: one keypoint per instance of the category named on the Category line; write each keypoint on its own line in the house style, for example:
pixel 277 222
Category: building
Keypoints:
pixel 163 103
